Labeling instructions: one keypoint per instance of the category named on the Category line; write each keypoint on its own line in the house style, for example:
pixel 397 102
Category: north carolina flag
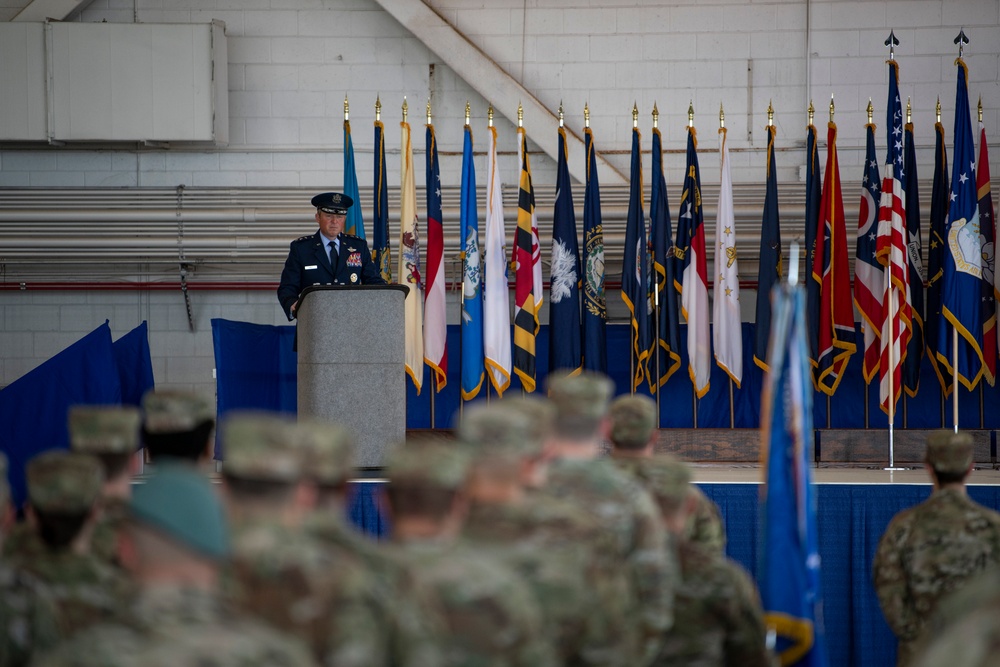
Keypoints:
pixel 991 288
pixel 814 225
pixel 564 277
pixel 915 350
pixel 868 276
pixel 381 254
pixel 892 254
pixel 473 364
pixel 496 313
pixel 664 268
pixel 789 568
pixel 690 251
pixel 435 322
pixel 727 334
pixel 635 267
pixel 522 256
pixel 835 326
pixel 961 291
pixel 770 256
pixel 409 264
pixel 355 220
pixel 595 312
pixel 935 260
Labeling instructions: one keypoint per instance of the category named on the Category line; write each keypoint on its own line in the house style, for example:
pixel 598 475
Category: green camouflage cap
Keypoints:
pixel 180 503
pixel 167 411
pixel 104 429
pixel 667 478
pixel 497 430
pixel 541 416
pixel 580 398
pixel 261 446
pixel 328 450
pixel 432 464
pixel 64 482
pixel 4 484
pixel 949 452
pixel 633 421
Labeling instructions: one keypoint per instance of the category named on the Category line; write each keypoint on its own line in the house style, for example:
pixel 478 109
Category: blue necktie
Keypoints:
pixel 334 252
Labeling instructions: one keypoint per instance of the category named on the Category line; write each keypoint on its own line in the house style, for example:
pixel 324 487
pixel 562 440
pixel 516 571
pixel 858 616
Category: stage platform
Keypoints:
pixel 854 505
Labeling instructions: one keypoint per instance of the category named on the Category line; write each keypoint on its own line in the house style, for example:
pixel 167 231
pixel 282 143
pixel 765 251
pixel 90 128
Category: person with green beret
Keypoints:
pixel 935 547
pixel 175 544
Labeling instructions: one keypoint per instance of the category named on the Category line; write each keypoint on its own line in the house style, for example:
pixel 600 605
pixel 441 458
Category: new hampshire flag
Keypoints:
pixel 789 568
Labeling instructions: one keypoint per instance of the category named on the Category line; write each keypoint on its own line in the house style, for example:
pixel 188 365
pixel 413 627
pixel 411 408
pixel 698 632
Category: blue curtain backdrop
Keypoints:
pixel 135 366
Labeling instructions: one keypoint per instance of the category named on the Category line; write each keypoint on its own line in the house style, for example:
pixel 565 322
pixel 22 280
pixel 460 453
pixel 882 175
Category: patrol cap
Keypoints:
pixel 260 446
pixel 580 400
pixel 668 479
pixel 541 416
pixel 497 429
pixel 104 429
pixel 327 450
pixel 171 411
pixel 180 503
pixel 633 420
pixel 949 452
pixel 64 482
pixel 333 202
pixel 431 464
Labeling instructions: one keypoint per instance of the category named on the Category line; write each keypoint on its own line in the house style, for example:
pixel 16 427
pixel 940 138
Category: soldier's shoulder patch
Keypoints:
pixel 304 238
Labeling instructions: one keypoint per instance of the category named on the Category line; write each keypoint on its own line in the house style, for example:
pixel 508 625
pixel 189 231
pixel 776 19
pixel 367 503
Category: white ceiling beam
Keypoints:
pixel 56 10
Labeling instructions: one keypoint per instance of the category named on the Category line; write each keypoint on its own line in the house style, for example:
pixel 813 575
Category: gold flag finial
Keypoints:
pixel 831 107
pixel 811 110
pixel 937 110
pixel 520 115
pixel 870 110
pixel 770 114
pixel 560 113
pixel 406 108
pixel 489 115
pixel 635 115
pixel 347 109
pixel 656 116
pixel 378 108
pixel 691 113
pixel 722 116
pixel 429 112
pixel 909 112
pixel 468 111
pixel 586 115
pixel 980 109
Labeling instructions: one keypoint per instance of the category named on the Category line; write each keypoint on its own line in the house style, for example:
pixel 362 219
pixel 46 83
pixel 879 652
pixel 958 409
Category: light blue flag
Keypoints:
pixel 473 362
pixel 789 569
pixel 355 220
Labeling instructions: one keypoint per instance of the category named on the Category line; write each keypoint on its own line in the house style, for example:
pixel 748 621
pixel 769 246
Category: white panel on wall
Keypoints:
pixel 22 82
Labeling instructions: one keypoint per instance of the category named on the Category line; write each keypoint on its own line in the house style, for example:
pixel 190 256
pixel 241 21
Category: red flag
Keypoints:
pixel 987 230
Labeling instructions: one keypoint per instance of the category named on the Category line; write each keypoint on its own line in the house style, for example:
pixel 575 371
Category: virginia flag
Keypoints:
pixel 525 302
pixel 835 325
pixel 987 226
pixel 472 297
pixel 935 260
pixel 690 251
pixel 726 307
pixel 595 312
pixel 915 350
pixel 496 314
pixel 435 322
pixel 770 256
pixel 664 266
pixel 409 264
pixel 813 232
pixel 564 278
pixel 961 285
pixel 867 271
pixel 635 270
pixel 355 223
pixel 789 569
pixel 380 209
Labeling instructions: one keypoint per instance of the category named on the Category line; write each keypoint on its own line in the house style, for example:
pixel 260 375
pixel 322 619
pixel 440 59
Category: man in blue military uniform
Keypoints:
pixel 328 257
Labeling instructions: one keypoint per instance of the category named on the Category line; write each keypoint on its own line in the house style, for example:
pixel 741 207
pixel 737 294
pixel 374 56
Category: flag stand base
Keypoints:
pixel 894 469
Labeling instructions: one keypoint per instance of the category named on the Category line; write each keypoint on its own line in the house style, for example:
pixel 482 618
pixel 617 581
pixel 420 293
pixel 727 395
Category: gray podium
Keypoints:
pixel 351 366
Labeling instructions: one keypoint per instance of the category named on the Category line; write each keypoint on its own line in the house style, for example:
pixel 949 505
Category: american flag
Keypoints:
pixel 868 285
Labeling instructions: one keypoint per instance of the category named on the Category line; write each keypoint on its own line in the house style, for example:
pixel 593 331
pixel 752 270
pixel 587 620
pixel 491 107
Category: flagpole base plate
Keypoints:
pixel 890 469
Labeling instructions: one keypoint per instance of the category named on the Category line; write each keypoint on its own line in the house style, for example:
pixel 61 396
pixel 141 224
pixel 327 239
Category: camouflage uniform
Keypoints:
pixel 965 630
pixel 933 548
pixel 704 524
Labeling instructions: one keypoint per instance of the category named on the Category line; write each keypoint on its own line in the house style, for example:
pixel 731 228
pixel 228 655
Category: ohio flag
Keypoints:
pixel 868 277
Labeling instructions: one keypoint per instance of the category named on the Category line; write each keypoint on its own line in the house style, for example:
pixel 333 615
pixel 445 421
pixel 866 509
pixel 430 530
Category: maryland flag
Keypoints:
pixel 496 300
pixel 915 350
pixel 435 322
pixel 473 362
pixel 664 268
pixel 935 259
pixel 961 290
pixel 770 256
pixel 690 251
pixel 868 277
pixel 595 312
pixel 892 254
pixel 409 264
pixel 525 301
pixel 355 223
pixel 564 279
pixel 835 325
pixel 635 271
pixel 987 226
pixel 380 209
